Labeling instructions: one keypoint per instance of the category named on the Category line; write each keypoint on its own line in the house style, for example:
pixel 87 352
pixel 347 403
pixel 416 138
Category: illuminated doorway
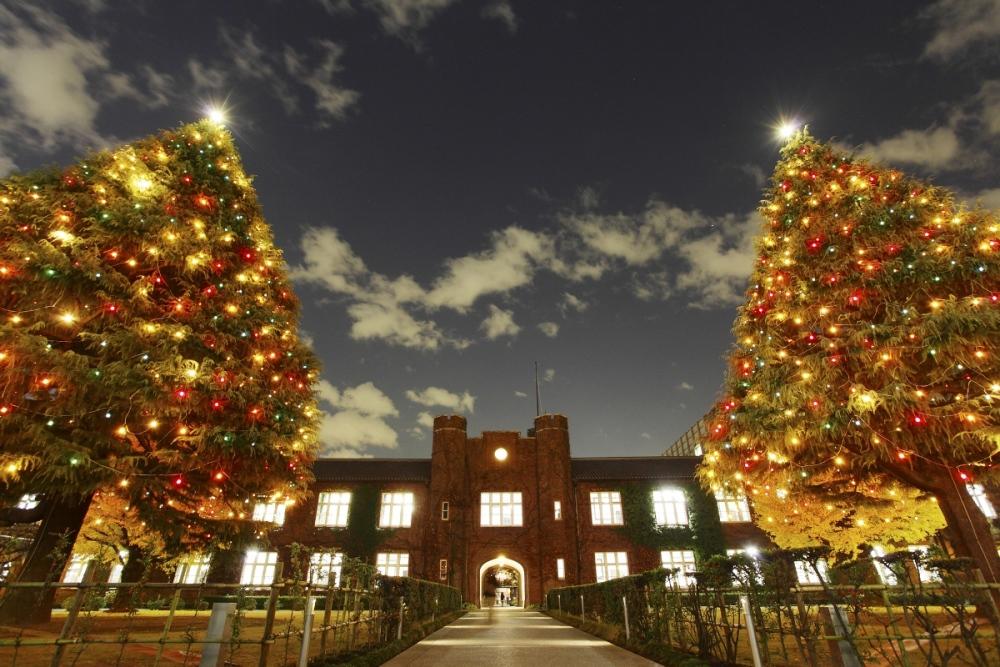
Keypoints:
pixel 502 583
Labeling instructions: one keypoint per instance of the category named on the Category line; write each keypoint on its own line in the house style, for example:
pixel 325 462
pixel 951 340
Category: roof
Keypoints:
pixel 419 470
pixel 372 470
pixel 635 467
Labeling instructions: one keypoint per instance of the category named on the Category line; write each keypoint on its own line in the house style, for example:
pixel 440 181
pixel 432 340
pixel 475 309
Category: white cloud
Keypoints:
pixel 206 77
pixel 332 99
pixel 719 263
pixel 988 198
pixel 645 436
pixel 511 261
pixel 520 394
pixel 573 303
pixel 499 323
pixel 960 24
pixel 934 147
pixel 685 386
pixel 406 18
pixel 359 422
pixel 49 80
pixel 425 419
pixel 502 11
pixel 436 396
pixel 549 375
pixel 416 433
pixel 634 239
pixel 550 329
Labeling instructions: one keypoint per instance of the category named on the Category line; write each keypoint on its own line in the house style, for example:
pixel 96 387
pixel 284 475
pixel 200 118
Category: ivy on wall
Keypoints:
pixel 703 534
pixel 362 535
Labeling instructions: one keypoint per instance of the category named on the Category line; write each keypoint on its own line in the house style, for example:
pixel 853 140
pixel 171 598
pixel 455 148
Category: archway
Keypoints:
pixel 502 575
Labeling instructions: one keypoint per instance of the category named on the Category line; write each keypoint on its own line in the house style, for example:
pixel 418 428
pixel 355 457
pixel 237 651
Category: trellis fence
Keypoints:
pixel 754 612
pixel 287 623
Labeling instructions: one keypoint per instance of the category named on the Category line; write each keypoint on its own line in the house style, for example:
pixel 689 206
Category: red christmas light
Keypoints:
pixel 855 298
pixel 815 244
pixel 182 393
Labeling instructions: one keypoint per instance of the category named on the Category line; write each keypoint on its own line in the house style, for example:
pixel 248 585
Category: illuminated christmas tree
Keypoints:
pixel 866 356
pixel 148 345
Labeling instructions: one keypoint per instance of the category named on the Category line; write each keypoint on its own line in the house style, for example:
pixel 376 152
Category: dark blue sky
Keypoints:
pixel 465 187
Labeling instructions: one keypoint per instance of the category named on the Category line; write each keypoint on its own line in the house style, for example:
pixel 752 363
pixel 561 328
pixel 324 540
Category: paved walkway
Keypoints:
pixel 502 637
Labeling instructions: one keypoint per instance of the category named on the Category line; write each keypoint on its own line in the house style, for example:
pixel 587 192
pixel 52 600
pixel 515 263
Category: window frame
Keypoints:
pixel 251 570
pixel 398 511
pixel 445 510
pixel 670 505
pixel 335 513
pixel 606 508
pixel 272 512
pixel 731 505
pixel 561 569
pixel 321 562
pixel 197 564
pixel 681 577
pixel 617 565
pixel 496 508
pixel 557 510
pixel 395 561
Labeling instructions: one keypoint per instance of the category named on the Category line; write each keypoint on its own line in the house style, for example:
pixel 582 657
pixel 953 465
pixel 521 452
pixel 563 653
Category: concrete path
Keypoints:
pixel 502 637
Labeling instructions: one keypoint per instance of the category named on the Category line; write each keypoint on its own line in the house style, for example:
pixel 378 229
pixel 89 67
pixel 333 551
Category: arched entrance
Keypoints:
pixel 502 576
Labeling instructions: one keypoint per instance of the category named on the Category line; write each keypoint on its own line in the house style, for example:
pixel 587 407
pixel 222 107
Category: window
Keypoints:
pixel 611 565
pixel 926 576
pixel 750 552
pixel 76 568
pixel 560 568
pixel 259 568
pixel 115 576
pixel 393 564
pixel 323 565
pixel 805 573
pixel 397 510
pixel 885 572
pixel 269 513
pixel 332 508
pixel 670 506
pixel 501 508
pixel 443 569
pixel 28 501
pixel 557 510
pixel 445 510
pixel 192 569
pixel 606 508
pixel 979 496
pixel 733 507
pixel 683 562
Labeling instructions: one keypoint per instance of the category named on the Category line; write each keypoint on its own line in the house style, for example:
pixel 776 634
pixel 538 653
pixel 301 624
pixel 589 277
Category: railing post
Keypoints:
pixel 218 622
pixel 272 607
pixel 78 599
pixel 399 629
pixel 166 626
pixel 903 655
pixel 327 612
pixel 559 604
pixel 583 612
pixel 751 633
pixel 308 608
pixel 839 627
pixel 628 634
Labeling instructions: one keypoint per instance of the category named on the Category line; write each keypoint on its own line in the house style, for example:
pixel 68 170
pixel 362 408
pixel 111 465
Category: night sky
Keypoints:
pixel 462 188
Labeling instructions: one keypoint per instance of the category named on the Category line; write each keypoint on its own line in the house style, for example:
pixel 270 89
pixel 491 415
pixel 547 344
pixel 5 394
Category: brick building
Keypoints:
pixel 505 504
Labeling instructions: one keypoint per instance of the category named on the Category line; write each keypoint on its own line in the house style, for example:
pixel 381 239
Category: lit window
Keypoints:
pixel 606 508
pixel 259 568
pixel 332 508
pixel 683 562
pixel 885 573
pixel 501 508
pixel 28 501
pixel 670 507
pixel 115 576
pixel 323 565
pixel 192 569
pixel 926 576
pixel 560 568
pixel 805 573
pixel 750 552
pixel 733 507
pixel 443 569
pixel 393 564
pixel 557 510
pixel 397 510
pixel 979 496
pixel 445 510
pixel 77 566
pixel 610 565
pixel 269 513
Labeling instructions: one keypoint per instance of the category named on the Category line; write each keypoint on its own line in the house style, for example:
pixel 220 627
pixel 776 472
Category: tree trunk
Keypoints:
pixel 136 568
pixel 226 567
pixel 45 561
pixel 969 531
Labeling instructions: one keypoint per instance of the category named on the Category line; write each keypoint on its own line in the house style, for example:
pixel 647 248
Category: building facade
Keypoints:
pixel 500 508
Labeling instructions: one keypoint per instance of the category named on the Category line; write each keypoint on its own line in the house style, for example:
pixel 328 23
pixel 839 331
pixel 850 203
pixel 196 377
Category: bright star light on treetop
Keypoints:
pixel 216 114
pixel 787 128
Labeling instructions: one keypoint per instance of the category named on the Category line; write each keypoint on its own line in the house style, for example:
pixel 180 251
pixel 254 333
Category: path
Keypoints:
pixel 502 637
